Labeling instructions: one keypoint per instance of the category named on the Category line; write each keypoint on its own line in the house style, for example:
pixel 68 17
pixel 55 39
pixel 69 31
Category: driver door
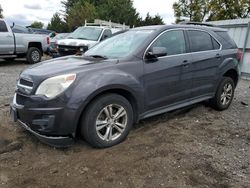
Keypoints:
pixel 168 79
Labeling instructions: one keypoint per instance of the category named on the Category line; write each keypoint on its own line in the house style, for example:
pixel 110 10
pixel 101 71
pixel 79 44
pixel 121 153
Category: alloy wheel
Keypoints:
pixel 111 122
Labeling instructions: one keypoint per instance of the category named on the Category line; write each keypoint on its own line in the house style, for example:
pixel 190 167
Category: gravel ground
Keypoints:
pixel 192 147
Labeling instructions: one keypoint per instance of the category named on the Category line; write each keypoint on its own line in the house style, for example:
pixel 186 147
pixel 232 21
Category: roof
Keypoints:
pixel 164 27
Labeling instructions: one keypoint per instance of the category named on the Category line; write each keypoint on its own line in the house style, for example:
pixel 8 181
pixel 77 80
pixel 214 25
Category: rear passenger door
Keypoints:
pixel 6 39
pixel 206 55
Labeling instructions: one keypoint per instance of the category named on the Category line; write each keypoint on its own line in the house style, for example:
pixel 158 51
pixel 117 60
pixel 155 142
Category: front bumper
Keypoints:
pixel 44 123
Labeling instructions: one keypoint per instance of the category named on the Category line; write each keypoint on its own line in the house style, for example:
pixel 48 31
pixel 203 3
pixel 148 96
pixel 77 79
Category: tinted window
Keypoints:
pixel 3 27
pixel 226 38
pixel 173 41
pixel 106 34
pixel 200 41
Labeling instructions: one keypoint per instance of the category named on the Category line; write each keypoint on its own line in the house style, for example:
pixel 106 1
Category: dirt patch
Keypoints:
pixel 194 147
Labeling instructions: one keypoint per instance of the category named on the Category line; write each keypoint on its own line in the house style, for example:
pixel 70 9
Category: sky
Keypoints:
pixel 24 12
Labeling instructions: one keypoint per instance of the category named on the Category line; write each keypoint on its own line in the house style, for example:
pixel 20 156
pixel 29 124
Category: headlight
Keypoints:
pixel 55 85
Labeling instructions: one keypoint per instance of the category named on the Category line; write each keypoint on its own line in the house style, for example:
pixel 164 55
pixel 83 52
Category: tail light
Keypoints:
pixel 48 40
pixel 239 55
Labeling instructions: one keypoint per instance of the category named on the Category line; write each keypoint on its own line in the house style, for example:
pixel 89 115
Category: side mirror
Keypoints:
pixel 157 52
pixel 104 37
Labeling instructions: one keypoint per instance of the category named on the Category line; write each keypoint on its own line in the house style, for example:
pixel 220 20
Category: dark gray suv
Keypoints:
pixel 131 76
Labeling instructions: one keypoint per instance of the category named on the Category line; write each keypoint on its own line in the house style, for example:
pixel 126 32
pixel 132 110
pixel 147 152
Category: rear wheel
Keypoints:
pixel 107 121
pixel 34 55
pixel 224 94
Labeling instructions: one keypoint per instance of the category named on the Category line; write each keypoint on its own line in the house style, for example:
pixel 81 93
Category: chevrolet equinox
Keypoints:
pixel 134 75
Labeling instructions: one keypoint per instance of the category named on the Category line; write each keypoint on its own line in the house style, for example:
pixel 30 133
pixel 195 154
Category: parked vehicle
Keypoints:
pixel 82 39
pixel 21 29
pixel 41 31
pixel 13 45
pixel 137 74
pixel 53 42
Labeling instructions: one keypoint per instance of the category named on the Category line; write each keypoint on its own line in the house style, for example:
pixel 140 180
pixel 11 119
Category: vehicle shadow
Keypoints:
pixel 13 63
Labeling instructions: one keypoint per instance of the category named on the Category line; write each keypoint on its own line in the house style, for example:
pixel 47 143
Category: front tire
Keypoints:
pixel 34 55
pixel 224 94
pixel 107 121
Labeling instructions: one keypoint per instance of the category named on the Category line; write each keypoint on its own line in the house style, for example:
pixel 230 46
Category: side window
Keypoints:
pixel 173 41
pixel 106 34
pixel 200 41
pixel 3 27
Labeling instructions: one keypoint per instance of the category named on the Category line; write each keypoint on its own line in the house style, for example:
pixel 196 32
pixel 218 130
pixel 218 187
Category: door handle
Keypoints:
pixel 185 63
pixel 218 56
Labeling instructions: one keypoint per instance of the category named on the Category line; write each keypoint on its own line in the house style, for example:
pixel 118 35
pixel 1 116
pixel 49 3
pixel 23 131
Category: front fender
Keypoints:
pixel 92 85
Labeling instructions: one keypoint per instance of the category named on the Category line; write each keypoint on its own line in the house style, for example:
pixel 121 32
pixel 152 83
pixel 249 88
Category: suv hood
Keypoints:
pixel 76 42
pixel 65 65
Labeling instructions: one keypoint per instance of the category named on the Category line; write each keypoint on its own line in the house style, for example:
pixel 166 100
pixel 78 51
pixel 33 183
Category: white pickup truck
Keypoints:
pixel 20 45
pixel 82 39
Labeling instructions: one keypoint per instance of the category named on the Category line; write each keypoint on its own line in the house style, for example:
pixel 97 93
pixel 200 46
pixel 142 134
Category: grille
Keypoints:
pixel 26 82
pixel 25 86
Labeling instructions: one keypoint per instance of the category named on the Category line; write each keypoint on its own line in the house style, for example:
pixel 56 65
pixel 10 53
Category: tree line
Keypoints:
pixel 123 11
pixel 119 11
pixel 211 10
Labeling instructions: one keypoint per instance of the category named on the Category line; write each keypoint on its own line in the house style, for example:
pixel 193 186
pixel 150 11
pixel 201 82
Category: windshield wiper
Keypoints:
pixel 82 38
pixel 99 56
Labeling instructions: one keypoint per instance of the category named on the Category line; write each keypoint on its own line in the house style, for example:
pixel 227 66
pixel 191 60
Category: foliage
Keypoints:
pixel 37 24
pixel 149 20
pixel 1 12
pixel 230 9
pixel 194 10
pixel 57 24
pixel 79 12
pixel 120 11
pixel 209 10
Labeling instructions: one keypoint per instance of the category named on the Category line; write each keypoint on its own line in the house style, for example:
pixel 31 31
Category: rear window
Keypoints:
pixel 3 27
pixel 200 41
pixel 227 39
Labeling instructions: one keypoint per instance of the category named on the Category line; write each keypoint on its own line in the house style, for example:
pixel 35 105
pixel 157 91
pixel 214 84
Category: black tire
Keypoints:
pixel 217 101
pixel 96 110
pixel 9 59
pixel 34 55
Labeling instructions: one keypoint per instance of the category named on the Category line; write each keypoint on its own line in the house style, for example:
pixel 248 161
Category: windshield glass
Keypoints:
pixel 86 33
pixel 120 45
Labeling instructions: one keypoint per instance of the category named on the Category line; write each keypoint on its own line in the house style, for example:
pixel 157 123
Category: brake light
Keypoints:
pixel 239 55
pixel 48 40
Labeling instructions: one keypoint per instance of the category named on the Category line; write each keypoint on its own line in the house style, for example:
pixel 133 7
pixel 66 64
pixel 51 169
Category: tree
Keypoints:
pixel 37 24
pixel 1 12
pixel 230 9
pixel 194 10
pixel 149 20
pixel 120 11
pixel 57 24
pixel 79 12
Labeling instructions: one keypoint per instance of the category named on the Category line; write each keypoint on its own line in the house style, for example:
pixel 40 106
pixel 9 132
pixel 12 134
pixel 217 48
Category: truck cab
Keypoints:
pixel 82 39
pixel 7 40
pixel 21 44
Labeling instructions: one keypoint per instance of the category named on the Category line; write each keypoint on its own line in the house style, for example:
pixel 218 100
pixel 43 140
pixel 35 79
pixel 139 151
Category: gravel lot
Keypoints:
pixel 193 147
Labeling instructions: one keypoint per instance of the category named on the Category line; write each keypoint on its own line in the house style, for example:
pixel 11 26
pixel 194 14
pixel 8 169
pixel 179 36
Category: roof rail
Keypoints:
pixel 197 23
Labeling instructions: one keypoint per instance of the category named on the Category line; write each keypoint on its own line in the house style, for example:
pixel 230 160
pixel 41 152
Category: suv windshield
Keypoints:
pixel 120 45
pixel 86 33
